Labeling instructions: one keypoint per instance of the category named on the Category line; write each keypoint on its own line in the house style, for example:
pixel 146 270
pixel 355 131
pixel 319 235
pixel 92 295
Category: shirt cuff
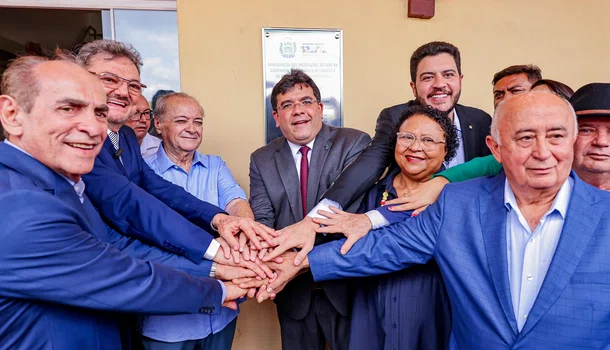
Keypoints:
pixel 224 291
pixel 323 205
pixel 377 220
pixel 212 250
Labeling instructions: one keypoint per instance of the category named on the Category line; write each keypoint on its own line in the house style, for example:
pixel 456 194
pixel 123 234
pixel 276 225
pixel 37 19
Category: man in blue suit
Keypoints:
pixel 129 195
pixel 61 285
pixel 524 255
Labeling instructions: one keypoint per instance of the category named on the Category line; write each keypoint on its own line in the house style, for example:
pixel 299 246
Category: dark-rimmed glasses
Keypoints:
pixel 146 115
pixel 426 142
pixel 113 81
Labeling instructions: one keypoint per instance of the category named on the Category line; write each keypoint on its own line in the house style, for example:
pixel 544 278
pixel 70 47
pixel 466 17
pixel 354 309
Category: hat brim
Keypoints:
pixel 593 113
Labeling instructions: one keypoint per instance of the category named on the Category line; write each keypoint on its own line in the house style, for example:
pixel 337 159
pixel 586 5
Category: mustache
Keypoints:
pixel 114 96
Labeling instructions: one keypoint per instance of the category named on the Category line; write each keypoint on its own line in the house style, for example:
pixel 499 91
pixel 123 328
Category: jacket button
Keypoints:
pixel 212 309
pixel 166 244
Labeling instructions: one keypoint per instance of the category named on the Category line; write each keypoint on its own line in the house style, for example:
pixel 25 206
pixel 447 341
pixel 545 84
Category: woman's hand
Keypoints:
pixel 419 198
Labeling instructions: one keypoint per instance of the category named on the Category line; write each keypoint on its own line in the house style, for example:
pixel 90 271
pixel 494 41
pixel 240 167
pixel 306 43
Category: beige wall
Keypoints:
pixel 221 64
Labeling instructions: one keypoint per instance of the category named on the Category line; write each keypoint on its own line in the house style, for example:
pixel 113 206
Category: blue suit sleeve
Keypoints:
pixel 195 210
pixel 135 212
pixel 147 252
pixel 385 250
pixel 47 255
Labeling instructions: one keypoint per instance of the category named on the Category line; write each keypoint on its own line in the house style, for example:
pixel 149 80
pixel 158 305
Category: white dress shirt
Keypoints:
pixel 460 157
pixel 530 253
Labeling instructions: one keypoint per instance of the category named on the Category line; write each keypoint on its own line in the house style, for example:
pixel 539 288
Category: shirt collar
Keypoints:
pixel 294 148
pixel 562 199
pixel 456 120
pixel 79 186
pixel 165 163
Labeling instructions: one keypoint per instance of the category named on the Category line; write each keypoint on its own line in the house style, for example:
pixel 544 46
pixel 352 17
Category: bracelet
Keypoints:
pixel 213 269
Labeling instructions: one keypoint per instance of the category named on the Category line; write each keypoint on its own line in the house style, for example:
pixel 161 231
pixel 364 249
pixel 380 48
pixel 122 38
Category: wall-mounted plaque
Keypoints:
pixel 319 53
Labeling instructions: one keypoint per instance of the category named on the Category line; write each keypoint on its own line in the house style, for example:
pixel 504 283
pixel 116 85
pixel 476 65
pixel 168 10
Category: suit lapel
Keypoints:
pixel 318 158
pixel 578 229
pixel 467 128
pixel 284 162
pixel 493 220
pixel 108 148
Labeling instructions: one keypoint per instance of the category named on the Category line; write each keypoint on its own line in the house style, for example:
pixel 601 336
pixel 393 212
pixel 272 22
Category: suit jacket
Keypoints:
pixel 137 202
pixel 369 166
pixel 60 284
pixel 275 198
pixel 465 231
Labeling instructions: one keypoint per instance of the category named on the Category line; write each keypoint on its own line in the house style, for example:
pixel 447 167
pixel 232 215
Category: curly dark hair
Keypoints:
pixel 442 119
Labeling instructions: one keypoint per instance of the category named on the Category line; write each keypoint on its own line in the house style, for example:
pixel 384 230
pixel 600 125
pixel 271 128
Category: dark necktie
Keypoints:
pixel 304 175
pixel 114 138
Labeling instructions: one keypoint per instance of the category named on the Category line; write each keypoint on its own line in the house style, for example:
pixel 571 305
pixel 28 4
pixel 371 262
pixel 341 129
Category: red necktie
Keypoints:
pixel 304 174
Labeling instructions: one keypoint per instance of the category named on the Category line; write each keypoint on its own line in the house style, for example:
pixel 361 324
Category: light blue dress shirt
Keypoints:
pixel 530 253
pixel 210 180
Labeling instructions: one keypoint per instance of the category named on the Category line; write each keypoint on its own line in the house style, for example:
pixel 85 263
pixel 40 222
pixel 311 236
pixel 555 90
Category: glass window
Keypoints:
pixel 155 35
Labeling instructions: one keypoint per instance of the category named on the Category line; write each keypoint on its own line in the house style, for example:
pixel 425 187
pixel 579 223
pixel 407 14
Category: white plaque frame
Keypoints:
pixel 319 53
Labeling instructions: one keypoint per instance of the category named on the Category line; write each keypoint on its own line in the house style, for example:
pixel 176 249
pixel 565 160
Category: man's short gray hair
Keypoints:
pixel 164 102
pixel 498 114
pixel 110 48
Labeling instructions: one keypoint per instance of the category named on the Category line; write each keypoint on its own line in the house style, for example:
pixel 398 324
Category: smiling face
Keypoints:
pixel 302 122
pixel 415 163
pixel 66 127
pixel 141 125
pixel 120 101
pixel 537 138
pixel 438 83
pixel 181 127
pixel 592 147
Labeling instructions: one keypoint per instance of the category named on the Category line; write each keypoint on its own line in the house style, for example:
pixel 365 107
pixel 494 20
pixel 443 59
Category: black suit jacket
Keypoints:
pixel 370 165
pixel 275 197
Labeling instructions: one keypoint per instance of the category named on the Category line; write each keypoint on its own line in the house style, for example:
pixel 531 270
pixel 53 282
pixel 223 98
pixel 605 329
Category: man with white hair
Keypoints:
pixel 523 254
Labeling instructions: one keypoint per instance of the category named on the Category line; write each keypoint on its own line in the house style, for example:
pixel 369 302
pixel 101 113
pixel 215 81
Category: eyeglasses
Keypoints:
pixel 113 81
pixel 288 106
pixel 427 143
pixel 146 115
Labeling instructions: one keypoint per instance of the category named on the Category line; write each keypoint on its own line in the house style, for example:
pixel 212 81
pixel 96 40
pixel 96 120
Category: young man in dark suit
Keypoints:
pixel 287 177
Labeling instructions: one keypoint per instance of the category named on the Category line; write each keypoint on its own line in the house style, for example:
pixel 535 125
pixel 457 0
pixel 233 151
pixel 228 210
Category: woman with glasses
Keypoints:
pixel 408 309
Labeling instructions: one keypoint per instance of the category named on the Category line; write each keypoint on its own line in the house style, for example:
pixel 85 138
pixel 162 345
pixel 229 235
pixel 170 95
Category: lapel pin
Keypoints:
pixel 469 126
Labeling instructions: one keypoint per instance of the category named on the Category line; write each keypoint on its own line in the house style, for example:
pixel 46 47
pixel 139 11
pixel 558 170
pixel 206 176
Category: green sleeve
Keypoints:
pixel 477 167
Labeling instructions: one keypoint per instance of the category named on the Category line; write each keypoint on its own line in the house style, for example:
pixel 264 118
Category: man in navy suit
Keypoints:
pixel 524 254
pixel 129 195
pixel 61 284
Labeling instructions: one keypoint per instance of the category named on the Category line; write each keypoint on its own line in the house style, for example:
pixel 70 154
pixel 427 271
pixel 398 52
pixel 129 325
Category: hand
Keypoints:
pixel 285 272
pixel 233 293
pixel 353 226
pixel 300 235
pixel 260 268
pixel 254 285
pixel 419 198
pixel 228 273
pixel 228 226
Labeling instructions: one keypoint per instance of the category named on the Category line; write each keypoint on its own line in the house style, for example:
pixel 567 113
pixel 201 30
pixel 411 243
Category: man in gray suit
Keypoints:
pixel 287 178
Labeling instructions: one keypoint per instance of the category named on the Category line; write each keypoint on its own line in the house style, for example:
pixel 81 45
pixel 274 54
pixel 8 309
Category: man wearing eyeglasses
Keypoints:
pixel 140 122
pixel 287 177
pixel 129 195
